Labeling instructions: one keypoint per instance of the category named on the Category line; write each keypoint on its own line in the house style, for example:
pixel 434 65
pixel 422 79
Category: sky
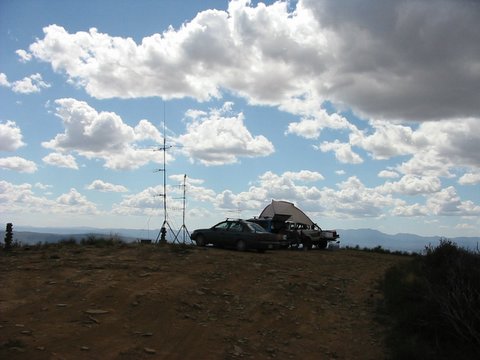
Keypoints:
pixel 365 114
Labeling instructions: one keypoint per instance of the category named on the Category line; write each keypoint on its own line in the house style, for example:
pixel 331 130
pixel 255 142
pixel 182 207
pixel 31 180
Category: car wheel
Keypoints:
pixel 322 244
pixel 241 245
pixel 200 240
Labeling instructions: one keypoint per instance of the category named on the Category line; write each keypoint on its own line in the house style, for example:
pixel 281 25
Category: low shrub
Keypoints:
pixel 433 304
pixel 93 240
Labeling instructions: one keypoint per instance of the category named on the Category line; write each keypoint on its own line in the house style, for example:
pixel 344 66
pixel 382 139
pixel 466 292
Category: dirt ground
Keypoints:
pixel 172 302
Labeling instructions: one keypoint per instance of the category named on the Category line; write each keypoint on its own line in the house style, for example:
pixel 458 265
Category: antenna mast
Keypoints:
pixel 183 228
pixel 163 231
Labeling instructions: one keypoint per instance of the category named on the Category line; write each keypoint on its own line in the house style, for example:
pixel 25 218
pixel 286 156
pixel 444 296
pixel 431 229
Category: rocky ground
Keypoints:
pixel 173 302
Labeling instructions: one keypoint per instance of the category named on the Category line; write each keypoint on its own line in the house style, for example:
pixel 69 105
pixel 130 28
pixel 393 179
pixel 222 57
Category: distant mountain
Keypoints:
pixel 364 238
pixel 370 238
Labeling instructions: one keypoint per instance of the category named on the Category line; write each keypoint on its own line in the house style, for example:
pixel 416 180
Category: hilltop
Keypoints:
pixel 177 302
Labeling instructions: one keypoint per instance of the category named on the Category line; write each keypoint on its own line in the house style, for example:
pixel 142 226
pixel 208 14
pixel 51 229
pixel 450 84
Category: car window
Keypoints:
pixel 221 226
pixel 255 227
pixel 235 227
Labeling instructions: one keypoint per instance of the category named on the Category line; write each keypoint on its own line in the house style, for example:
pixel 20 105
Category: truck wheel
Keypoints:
pixel 241 245
pixel 322 244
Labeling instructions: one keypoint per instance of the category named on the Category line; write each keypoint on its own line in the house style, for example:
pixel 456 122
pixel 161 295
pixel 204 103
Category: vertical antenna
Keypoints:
pixel 163 231
pixel 164 169
pixel 183 228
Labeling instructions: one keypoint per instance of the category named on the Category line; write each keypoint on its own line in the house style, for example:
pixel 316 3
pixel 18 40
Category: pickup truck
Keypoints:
pixel 282 217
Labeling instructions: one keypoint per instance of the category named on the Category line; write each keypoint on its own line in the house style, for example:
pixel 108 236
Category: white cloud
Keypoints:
pixel 61 160
pixel 20 199
pixel 343 152
pixel 445 146
pixel 310 127
pixel 447 203
pixel 413 185
pixel 10 136
pixel 347 53
pixel 410 210
pixel 388 174
pixel 41 186
pixel 469 179
pixel 23 55
pixel 30 84
pixel 217 139
pixel 146 202
pixel 19 164
pixel 102 135
pixel 4 80
pixel 74 202
pixel 145 130
pixel 387 140
pixel 103 186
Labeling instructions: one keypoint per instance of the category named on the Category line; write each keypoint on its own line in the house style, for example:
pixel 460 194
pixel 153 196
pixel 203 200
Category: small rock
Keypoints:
pixel 84 348
pixel 96 311
pixel 237 350
pixel 26 332
pixel 61 305
pixel 149 350
pixel 40 348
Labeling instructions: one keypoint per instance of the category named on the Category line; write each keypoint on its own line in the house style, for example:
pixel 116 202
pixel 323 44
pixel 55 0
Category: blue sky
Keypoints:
pixel 363 114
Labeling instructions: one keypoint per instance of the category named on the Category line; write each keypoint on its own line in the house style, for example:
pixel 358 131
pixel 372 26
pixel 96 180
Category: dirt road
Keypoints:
pixel 148 302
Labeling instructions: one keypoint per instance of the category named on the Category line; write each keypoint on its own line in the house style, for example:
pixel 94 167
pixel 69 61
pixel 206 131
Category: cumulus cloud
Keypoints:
pixel 388 174
pixel 19 164
pixel 74 202
pixel 20 198
pixel 343 152
pixel 10 136
pixel 388 140
pixel 413 185
pixel 445 146
pixel 103 186
pixel 447 202
pixel 30 84
pixel 23 55
pixel 102 135
pixel 469 179
pixel 386 60
pixel 217 138
pixel 3 80
pixel 61 160
pixel 146 202
pixel 318 119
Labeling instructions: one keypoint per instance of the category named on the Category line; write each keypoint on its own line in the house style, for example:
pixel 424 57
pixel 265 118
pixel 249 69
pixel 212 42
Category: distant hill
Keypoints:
pixel 364 238
pixel 370 238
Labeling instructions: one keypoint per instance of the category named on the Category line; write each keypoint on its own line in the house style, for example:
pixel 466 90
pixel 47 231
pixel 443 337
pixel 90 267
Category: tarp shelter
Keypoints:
pixel 285 211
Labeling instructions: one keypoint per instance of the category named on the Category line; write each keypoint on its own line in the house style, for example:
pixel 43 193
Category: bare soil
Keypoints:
pixel 174 302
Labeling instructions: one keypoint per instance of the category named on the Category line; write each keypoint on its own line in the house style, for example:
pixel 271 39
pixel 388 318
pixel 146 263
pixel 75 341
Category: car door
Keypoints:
pixel 235 232
pixel 218 233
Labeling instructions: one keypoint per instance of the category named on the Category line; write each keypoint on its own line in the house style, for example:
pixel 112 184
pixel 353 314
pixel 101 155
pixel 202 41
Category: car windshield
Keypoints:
pixel 255 227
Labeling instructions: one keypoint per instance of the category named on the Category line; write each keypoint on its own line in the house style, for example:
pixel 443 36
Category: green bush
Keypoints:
pixel 433 302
